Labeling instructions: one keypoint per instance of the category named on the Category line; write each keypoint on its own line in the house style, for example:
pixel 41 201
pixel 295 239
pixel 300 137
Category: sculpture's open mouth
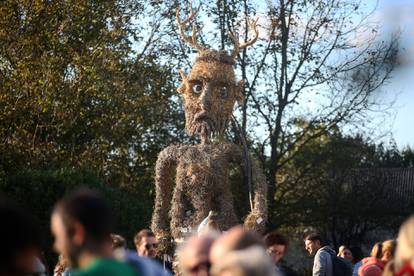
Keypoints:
pixel 203 124
pixel 202 116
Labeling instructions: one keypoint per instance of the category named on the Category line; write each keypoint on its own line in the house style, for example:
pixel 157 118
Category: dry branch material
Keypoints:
pixel 192 180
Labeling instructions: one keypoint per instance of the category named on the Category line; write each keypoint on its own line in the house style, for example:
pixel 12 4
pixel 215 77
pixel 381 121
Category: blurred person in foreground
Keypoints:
pixel 193 255
pixel 237 238
pixel 21 245
pixel 381 254
pixel 252 261
pixel 403 264
pixel 81 223
pixel 240 252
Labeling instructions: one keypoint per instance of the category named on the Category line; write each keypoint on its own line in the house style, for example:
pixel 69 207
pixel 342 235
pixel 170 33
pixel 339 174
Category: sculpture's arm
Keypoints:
pixel 258 217
pixel 164 187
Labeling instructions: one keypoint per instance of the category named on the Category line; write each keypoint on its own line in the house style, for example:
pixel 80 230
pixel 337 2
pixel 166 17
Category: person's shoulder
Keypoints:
pixel 327 250
pixel 107 267
pixel 322 251
pixel 372 270
pixel 369 267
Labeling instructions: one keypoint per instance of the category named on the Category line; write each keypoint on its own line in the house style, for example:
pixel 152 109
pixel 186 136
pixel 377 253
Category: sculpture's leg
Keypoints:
pixel 177 212
pixel 227 217
pixel 201 200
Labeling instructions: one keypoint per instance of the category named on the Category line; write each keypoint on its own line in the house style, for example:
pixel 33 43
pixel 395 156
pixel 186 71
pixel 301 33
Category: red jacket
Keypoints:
pixel 407 270
pixel 371 266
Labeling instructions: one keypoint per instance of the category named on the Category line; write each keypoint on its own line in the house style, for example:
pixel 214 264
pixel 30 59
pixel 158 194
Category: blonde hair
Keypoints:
pixel 380 248
pixel 405 248
pixel 341 249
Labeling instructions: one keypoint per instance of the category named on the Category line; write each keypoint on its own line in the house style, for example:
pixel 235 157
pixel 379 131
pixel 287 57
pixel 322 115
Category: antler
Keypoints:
pixel 238 46
pixel 181 25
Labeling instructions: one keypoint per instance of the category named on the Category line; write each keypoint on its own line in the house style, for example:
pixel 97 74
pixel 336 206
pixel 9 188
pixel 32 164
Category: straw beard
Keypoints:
pixel 204 123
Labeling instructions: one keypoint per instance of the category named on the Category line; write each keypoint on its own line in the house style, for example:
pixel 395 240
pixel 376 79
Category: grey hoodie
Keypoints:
pixel 322 264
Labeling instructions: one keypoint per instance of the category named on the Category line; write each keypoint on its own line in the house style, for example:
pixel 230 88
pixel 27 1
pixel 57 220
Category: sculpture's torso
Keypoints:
pixel 202 179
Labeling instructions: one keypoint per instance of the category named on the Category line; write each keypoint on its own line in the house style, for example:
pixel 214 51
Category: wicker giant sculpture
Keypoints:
pixel 191 180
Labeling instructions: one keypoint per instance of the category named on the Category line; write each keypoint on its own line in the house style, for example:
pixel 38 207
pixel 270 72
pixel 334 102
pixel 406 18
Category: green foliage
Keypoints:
pixel 75 94
pixel 339 185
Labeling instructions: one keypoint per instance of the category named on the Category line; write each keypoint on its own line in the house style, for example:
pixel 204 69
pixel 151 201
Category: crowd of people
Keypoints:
pixel 82 226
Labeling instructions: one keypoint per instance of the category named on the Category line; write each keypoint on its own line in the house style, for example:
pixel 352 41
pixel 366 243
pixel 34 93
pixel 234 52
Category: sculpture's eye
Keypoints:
pixel 197 88
pixel 224 92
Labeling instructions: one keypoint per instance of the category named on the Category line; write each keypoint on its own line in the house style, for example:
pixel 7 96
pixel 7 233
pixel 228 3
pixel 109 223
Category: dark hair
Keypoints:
pixel 19 231
pixel 118 241
pixel 314 237
pixel 273 238
pixel 89 209
pixel 142 234
pixel 356 253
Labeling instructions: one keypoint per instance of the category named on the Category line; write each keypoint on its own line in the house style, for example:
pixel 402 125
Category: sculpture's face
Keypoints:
pixel 210 92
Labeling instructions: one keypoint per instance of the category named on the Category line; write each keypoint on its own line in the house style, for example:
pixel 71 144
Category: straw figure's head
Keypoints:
pixel 210 90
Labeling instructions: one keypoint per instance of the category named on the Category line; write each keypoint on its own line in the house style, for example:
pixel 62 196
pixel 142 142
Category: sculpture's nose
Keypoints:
pixel 205 98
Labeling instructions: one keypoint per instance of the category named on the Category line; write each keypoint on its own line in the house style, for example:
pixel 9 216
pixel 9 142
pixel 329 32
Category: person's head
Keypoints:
pixel 276 245
pixel 236 238
pixel 21 240
pixel 118 242
pixel 345 252
pixel 193 256
pixel 81 223
pixel 313 242
pixel 146 243
pixel 405 248
pixel 251 261
pixel 384 251
pixel 357 254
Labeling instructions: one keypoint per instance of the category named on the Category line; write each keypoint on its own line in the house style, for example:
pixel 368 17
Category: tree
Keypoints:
pixel 408 157
pixel 85 100
pixel 306 66
pixel 74 93
pixel 339 184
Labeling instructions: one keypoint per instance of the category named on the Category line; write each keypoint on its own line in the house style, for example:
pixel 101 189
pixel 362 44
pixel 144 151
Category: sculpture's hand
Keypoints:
pixel 165 245
pixel 255 222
